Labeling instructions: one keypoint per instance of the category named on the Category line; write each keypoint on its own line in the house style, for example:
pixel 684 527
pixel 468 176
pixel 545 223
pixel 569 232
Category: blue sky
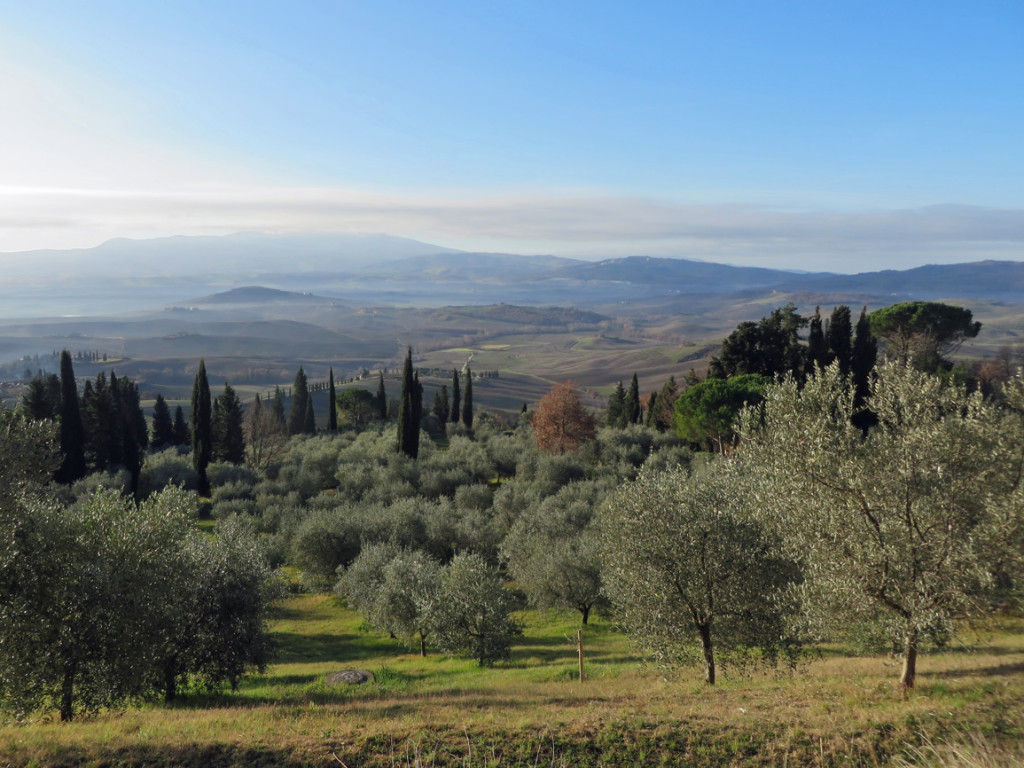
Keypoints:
pixel 811 135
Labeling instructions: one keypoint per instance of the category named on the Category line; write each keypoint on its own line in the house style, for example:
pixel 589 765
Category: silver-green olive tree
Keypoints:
pixel 82 601
pixel 395 588
pixel 408 596
pixel 473 611
pixel 896 529
pixel 553 550
pixel 692 577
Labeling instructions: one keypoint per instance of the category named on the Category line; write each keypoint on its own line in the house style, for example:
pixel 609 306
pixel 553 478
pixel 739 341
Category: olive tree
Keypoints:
pixel 552 550
pixel 83 594
pixel 473 609
pixel 693 579
pixel 408 596
pixel 896 529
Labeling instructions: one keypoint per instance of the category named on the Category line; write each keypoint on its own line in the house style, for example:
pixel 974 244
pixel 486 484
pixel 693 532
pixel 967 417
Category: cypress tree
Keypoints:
pixel 632 402
pixel 200 422
pixel 467 400
pixel 181 434
pixel 441 407
pixel 840 338
pixel 99 422
pixel 309 420
pixel 652 410
pixel 277 407
pixel 616 407
pixel 862 361
pixel 163 426
pixel 417 407
pixel 817 347
pixel 408 428
pixel 226 428
pixel 456 398
pixel 41 400
pixel 332 404
pixel 72 434
pixel 118 419
pixel 300 396
pixel 381 399
pixel 133 434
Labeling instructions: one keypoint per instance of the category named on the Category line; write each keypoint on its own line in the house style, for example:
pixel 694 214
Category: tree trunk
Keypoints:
pixel 170 680
pixel 586 614
pixel 909 675
pixel 67 693
pixel 709 653
pixel 423 645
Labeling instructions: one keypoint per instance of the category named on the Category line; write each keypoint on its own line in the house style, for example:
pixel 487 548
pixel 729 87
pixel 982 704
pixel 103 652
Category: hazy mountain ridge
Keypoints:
pixel 367 270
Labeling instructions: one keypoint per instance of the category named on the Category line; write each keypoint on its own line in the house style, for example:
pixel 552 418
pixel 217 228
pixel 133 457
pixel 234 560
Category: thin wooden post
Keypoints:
pixel 579 649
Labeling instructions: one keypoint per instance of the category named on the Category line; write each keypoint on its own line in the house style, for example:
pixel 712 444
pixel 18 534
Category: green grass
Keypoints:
pixel 840 710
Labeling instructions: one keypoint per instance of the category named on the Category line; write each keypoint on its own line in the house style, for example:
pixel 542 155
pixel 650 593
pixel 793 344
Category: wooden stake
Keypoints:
pixel 579 648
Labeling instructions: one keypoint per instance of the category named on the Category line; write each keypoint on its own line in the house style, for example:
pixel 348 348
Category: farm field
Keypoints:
pixel 836 709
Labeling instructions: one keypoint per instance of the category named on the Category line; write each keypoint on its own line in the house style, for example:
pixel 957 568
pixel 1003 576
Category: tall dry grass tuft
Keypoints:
pixel 975 753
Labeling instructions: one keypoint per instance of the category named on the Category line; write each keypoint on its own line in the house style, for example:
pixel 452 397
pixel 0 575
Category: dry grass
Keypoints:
pixel 438 711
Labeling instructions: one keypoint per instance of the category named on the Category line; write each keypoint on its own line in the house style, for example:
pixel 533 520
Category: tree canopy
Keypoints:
pixel 693 578
pixel 705 412
pixel 561 423
pixel 898 529
pixel 923 333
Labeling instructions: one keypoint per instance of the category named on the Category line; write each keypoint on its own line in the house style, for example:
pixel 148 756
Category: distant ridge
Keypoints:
pixel 682 275
pixel 258 294
pixel 1000 280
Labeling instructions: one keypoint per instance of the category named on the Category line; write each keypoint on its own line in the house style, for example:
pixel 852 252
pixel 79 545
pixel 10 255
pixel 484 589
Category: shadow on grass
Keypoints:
pixel 997 670
pixel 300 647
pixel 185 756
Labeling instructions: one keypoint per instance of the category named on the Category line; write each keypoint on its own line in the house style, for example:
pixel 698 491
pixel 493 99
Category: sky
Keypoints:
pixel 841 136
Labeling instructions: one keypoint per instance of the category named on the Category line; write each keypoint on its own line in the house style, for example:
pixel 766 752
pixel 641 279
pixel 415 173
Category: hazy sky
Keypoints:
pixel 814 135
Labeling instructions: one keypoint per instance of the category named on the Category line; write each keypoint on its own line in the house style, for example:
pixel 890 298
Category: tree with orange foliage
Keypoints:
pixel 561 423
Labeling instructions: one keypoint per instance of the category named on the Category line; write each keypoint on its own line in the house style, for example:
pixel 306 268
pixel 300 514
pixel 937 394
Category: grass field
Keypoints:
pixel 837 710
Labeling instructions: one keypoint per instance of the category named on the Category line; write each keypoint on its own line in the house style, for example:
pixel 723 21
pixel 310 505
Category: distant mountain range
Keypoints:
pixel 126 275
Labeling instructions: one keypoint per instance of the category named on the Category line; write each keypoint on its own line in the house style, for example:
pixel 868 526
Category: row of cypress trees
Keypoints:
pixel 117 433
pixel 410 411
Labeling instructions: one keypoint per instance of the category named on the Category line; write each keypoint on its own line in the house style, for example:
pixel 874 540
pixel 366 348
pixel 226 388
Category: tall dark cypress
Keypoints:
pixel 41 400
pixel 614 415
pixel 408 426
pixel 134 436
pixel 456 397
pixel 863 359
pixel 467 400
pixel 817 347
pixel 181 433
pixel 652 410
pixel 200 422
pixel 163 426
pixel 332 404
pixel 277 407
pixel 417 407
pixel 632 403
pixel 309 420
pixel 226 428
pixel 72 435
pixel 840 338
pixel 380 400
pixel 300 397
pixel 441 407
